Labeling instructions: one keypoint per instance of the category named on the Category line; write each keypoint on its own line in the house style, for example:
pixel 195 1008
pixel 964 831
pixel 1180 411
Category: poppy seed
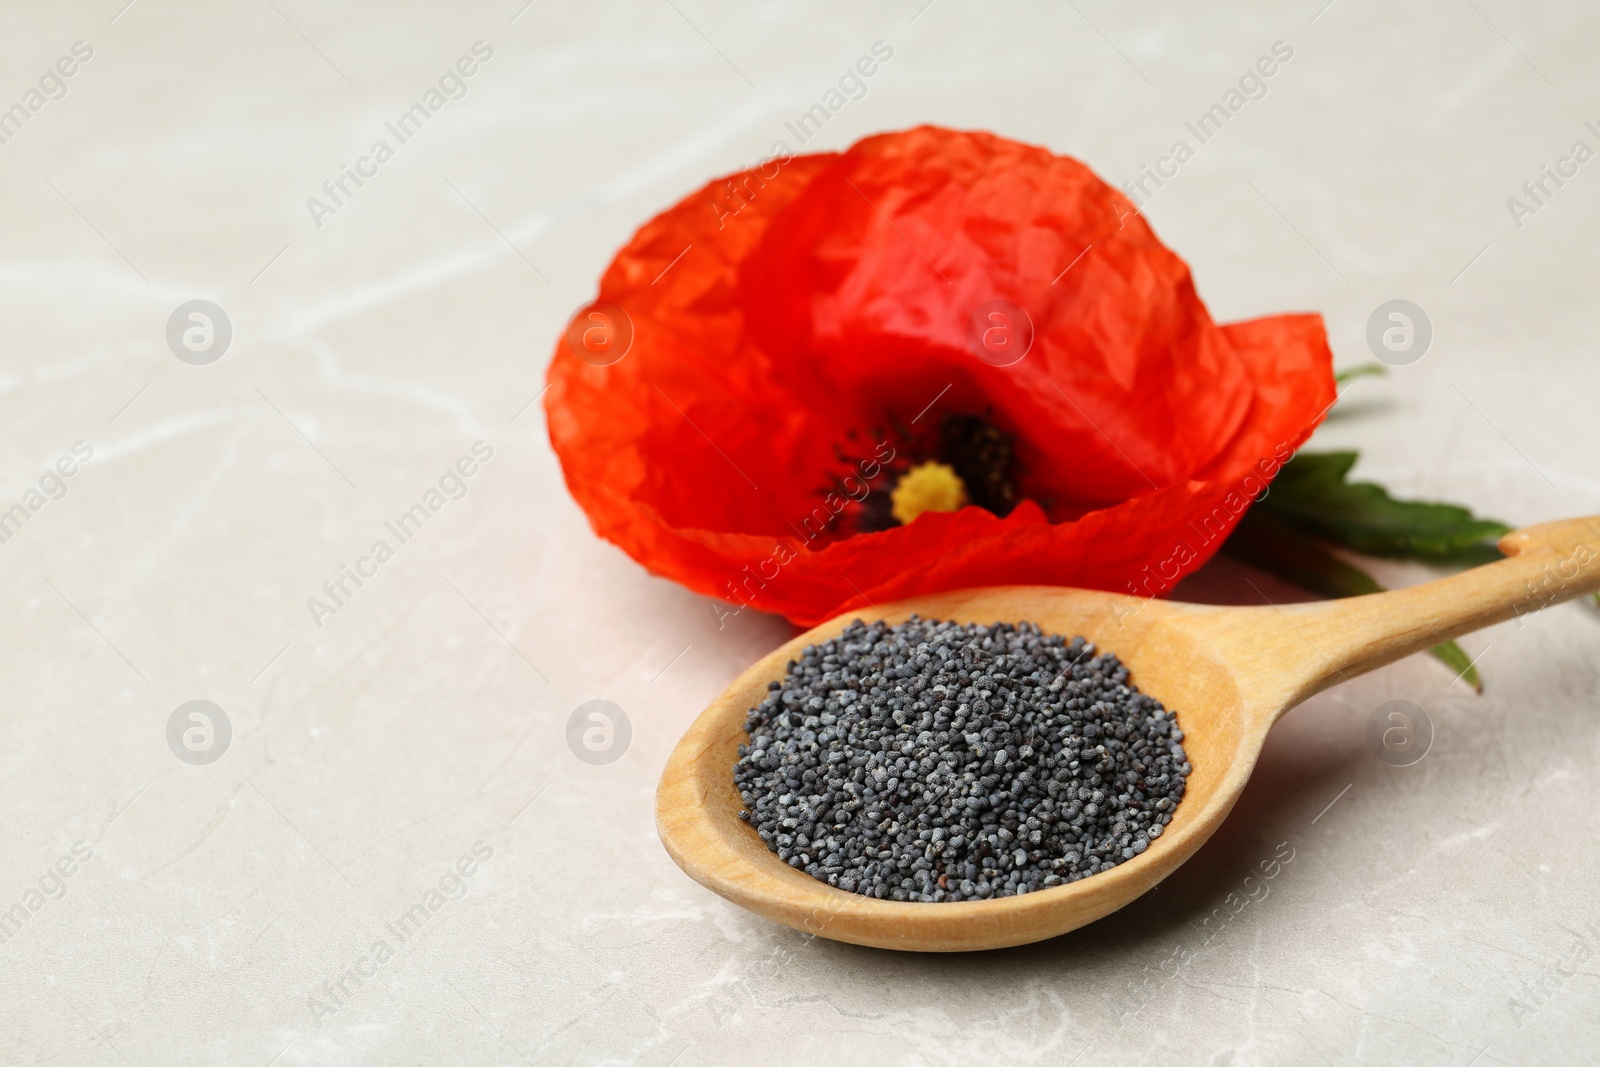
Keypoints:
pixel 936 761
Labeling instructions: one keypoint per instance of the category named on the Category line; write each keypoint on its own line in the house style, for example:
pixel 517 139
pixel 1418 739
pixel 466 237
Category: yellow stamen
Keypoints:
pixel 928 487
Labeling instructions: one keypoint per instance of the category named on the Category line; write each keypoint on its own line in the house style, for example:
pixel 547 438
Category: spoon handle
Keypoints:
pixel 1548 563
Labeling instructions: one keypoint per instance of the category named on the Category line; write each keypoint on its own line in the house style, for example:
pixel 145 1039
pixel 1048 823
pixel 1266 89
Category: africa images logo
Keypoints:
pixel 451 885
pixel 453 485
pixel 52 87
pixel 452 85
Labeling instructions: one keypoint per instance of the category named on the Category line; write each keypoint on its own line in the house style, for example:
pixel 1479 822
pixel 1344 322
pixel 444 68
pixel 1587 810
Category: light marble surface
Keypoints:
pixel 427 716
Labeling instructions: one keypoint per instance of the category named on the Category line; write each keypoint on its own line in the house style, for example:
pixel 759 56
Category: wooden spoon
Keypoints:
pixel 1228 672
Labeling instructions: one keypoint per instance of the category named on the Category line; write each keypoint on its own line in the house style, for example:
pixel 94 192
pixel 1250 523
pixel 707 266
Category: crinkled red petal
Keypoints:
pixel 798 307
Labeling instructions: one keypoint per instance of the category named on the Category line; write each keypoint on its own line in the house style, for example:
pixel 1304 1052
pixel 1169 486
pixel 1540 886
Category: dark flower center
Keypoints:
pixel 982 456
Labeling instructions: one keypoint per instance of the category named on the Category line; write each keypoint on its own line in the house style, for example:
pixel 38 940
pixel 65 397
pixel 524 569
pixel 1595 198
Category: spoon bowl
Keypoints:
pixel 1228 673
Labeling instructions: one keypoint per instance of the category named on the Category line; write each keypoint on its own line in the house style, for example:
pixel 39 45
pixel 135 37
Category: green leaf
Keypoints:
pixel 1472 555
pixel 1364 370
pixel 1455 657
pixel 1318 466
pixel 1313 493
pixel 1266 541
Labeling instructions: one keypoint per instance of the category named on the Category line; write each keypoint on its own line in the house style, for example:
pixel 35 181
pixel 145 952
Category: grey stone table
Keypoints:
pixel 397 858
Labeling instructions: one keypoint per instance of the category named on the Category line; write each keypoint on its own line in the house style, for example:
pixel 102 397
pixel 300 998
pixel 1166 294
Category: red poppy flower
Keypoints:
pixel 783 369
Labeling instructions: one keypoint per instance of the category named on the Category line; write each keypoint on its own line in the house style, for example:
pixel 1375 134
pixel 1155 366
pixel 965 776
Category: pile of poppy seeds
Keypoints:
pixel 934 761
